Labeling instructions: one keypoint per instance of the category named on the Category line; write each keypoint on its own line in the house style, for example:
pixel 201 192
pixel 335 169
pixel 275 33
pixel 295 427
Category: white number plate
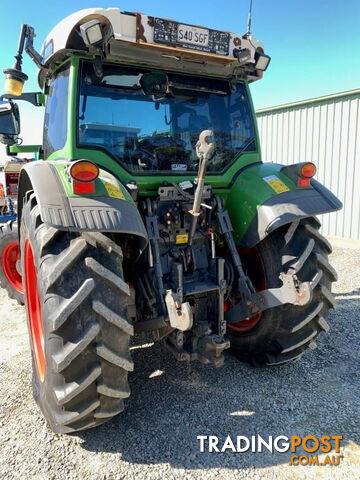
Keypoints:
pixel 192 35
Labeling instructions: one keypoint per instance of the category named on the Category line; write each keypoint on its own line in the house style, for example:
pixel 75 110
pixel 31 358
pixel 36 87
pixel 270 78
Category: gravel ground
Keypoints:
pixel 172 403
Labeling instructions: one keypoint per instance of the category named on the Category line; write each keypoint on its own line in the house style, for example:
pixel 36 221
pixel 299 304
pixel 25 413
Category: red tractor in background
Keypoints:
pixel 10 271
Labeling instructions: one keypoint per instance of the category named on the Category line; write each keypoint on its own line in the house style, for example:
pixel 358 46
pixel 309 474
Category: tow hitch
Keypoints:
pixel 292 291
pixel 207 348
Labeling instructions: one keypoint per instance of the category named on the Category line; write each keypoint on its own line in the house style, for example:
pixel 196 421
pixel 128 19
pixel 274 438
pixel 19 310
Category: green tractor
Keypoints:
pixel 150 210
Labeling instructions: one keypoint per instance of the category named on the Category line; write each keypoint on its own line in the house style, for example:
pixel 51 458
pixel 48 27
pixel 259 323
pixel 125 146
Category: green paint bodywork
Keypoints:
pixel 41 99
pixel 249 191
pixel 15 149
pixel 243 192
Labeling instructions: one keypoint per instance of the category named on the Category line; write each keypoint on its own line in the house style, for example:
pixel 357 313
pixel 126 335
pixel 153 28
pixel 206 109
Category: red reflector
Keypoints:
pixel 304 182
pixel 80 188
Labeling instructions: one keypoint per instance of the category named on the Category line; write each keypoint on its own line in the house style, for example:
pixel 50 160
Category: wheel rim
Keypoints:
pixel 254 267
pixel 34 310
pixel 9 258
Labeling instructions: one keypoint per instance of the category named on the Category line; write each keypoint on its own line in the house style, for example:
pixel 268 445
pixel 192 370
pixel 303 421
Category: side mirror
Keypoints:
pixel 9 122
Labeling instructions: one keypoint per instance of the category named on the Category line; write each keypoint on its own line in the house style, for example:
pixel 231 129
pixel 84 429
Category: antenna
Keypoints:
pixel 248 28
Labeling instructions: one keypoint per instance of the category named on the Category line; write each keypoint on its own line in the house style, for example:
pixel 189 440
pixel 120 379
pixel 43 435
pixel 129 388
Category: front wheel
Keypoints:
pixel 76 301
pixel 283 334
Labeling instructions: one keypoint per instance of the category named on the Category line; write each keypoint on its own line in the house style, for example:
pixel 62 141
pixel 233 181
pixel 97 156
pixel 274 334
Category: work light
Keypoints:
pixel 243 55
pixel 91 33
pixel 261 61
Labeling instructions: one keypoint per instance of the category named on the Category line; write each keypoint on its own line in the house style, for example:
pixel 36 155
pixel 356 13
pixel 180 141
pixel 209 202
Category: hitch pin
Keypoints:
pixel 212 239
pixel 151 258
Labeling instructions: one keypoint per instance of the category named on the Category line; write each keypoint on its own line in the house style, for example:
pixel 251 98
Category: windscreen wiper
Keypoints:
pixel 247 144
pixel 83 108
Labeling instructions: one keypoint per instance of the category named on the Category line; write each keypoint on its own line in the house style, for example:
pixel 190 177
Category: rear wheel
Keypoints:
pixel 76 302
pixel 284 333
pixel 10 276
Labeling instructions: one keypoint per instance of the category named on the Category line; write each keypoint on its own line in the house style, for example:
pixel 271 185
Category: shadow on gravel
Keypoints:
pixel 167 411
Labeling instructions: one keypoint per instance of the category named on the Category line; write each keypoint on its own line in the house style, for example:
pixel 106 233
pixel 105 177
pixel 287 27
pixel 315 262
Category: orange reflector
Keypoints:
pixel 84 171
pixel 80 188
pixel 308 170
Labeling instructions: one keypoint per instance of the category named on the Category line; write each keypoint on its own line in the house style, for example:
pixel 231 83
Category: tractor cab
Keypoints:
pixel 142 89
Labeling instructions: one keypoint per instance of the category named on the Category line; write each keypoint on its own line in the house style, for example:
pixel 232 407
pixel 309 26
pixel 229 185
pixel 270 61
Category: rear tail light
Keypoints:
pixel 307 171
pixel 83 174
pixel 300 173
pixel 84 171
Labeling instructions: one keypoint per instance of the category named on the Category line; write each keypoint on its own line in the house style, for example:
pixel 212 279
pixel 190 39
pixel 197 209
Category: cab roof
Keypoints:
pixel 135 38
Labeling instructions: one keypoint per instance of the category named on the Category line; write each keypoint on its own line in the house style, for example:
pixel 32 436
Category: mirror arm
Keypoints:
pixel 29 47
pixel 18 56
pixel 26 38
pixel 35 98
pixel 13 150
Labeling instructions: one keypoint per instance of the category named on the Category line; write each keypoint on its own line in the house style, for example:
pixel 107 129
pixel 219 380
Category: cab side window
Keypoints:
pixel 55 124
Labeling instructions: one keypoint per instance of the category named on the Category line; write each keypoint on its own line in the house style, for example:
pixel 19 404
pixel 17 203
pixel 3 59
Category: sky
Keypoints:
pixel 313 44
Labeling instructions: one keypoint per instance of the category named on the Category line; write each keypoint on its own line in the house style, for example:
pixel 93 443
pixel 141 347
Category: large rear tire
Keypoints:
pixel 283 334
pixel 76 302
pixel 10 276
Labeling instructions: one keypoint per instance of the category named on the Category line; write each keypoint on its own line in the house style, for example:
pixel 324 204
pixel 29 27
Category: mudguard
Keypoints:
pixel 263 198
pixel 110 209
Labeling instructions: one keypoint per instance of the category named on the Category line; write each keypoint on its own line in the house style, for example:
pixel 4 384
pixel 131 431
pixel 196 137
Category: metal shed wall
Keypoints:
pixel 326 131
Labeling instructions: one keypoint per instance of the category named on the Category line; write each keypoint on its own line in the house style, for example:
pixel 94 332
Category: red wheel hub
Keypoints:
pixel 34 310
pixel 9 258
pixel 254 268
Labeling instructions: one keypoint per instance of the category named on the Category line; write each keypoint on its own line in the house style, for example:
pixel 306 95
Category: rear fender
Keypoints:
pixel 263 198
pixel 110 209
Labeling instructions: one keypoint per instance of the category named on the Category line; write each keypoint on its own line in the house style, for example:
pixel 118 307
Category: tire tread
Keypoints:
pixel 284 335
pixel 84 310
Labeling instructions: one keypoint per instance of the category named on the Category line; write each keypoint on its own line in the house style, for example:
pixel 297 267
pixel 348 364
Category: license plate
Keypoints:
pixel 192 35
pixel 171 33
